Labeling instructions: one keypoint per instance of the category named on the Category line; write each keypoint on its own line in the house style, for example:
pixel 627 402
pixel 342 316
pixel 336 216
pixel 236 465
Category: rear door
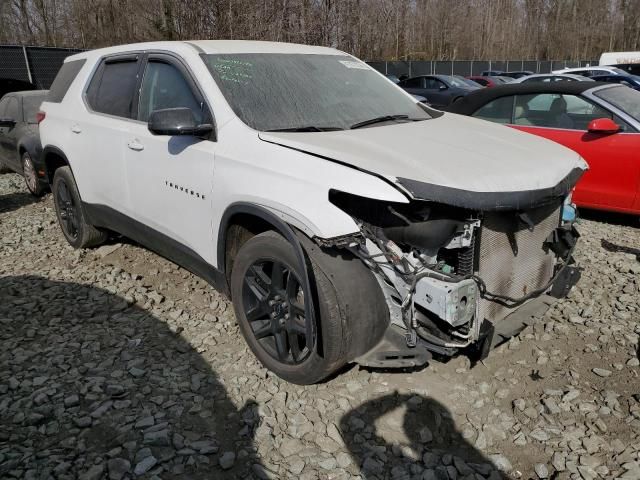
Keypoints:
pixel 171 178
pixel 614 159
pixel 98 135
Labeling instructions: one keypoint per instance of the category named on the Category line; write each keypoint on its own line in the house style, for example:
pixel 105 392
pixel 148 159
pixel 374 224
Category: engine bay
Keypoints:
pixel 446 272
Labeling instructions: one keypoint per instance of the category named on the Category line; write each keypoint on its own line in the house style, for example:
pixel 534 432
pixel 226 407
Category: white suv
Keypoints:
pixel 347 221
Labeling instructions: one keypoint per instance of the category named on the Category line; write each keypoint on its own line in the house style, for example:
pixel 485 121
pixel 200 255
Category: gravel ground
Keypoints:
pixel 115 363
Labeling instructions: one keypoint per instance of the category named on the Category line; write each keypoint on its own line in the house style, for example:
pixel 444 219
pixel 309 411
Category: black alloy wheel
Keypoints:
pixel 68 210
pixel 273 301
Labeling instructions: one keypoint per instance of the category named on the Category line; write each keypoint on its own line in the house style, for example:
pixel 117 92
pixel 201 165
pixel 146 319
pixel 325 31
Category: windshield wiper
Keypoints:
pixel 310 128
pixel 384 118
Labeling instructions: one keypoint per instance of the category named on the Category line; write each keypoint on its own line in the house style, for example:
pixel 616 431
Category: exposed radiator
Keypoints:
pixel 512 260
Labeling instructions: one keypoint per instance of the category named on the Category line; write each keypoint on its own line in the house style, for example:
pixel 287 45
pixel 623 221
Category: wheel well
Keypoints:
pixel 240 228
pixel 52 162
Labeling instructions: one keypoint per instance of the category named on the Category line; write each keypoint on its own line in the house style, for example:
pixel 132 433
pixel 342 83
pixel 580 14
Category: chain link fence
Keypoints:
pixel 36 65
pixel 472 67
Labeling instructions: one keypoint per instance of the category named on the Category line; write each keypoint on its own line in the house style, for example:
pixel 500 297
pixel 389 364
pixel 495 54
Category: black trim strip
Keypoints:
pixel 106 217
pixel 492 201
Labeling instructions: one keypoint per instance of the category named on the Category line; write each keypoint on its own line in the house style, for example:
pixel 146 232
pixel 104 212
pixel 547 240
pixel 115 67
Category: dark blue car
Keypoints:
pixel 632 81
pixel 439 90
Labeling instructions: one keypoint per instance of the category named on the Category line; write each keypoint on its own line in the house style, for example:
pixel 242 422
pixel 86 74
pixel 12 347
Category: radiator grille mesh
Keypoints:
pixel 512 260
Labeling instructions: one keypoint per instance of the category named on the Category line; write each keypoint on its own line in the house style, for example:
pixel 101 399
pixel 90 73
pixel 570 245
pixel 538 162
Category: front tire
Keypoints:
pixel 267 284
pixel 269 298
pixel 30 175
pixel 71 216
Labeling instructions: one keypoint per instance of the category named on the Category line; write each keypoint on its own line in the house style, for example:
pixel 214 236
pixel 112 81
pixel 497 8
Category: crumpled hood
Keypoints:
pixel 449 153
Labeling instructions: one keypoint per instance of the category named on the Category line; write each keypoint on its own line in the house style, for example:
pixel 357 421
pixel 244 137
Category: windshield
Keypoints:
pixel 625 98
pixel 294 91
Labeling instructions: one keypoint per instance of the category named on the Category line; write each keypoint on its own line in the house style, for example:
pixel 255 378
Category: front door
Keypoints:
pixel 170 179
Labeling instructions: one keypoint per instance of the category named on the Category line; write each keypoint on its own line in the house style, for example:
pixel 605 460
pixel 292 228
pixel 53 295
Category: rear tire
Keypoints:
pixel 34 185
pixel 71 216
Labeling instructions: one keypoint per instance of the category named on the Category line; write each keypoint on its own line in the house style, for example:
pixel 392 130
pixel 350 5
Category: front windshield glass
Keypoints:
pixel 295 91
pixel 625 98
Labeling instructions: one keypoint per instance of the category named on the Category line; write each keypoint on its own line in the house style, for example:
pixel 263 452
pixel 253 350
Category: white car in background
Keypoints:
pixel 552 77
pixel 591 71
pixel 346 220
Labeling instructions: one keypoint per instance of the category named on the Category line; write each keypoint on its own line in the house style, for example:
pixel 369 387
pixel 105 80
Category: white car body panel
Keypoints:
pixel 491 158
pixel 617 58
pixel 568 76
pixel 595 70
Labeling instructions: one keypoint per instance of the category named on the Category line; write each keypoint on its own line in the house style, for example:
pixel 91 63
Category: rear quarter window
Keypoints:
pixel 63 80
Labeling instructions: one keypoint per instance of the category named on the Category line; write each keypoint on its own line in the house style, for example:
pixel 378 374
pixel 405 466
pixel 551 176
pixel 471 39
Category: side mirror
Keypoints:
pixel 603 125
pixel 7 122
pixel 442 87
pixel 177 121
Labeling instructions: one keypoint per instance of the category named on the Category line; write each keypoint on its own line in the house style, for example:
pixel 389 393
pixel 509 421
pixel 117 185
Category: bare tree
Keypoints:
pixel 370 29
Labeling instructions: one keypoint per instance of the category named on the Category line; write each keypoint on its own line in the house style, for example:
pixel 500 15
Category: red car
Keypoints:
pixel 599 121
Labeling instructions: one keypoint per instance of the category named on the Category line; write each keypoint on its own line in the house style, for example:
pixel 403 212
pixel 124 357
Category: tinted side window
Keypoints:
pixel 498 110
pixel 164 86
pixel 431 84
pixel 413 83
pixel 557 111
pixel 63 80
pixel 112 88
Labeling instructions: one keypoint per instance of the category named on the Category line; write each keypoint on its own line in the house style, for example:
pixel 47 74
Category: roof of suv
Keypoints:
pixel 214 46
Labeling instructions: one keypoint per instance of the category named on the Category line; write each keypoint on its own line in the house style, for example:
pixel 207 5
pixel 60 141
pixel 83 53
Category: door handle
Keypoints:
pixel 76 129
pixel 135 145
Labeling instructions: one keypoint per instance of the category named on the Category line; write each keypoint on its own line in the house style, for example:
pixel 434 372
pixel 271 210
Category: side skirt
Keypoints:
pixel 106 217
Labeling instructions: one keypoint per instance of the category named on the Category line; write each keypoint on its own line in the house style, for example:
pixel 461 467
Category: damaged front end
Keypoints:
pixel 458 279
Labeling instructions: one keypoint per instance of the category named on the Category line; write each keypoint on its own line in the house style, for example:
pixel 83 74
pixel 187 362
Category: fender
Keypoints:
pixel 283 228
pixel 50 149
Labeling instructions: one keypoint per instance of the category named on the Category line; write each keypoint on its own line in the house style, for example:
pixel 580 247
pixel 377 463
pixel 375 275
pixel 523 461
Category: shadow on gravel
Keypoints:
pixel 14 201
pixel 423 440
pixel 612 247
pixel 613 218
pixel 93 388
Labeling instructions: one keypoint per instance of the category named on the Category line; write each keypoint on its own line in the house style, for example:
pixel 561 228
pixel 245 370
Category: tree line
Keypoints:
pixel 369 29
